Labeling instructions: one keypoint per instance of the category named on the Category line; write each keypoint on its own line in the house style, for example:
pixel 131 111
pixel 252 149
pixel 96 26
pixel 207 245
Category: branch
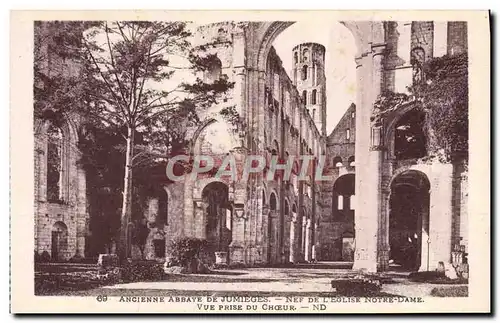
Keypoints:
pixel 113 64
pixel 150 106
pixel 105 81
pixel 121 31
pixel 157 114
pixel 139 97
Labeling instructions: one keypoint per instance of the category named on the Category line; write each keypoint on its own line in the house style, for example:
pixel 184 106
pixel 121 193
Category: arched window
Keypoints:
pixel 417 61
pixel 295 57
pixel 305 55
pixel 54 163
pixel 340 202
pixel 59 241
pixel 337 162
pixel 287 211
pixel 314 96
pixel 343 192
pixel 304 97
pixel 351 161
pixel 304 73
pixel 213 72
pixel 272 202
pixel 348 134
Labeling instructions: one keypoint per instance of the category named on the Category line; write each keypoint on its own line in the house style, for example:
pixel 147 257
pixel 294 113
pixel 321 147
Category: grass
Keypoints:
pixel 434 277
pixel 450 291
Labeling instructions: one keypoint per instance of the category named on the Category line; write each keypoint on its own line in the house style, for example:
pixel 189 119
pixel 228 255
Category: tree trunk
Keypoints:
pixel 124 248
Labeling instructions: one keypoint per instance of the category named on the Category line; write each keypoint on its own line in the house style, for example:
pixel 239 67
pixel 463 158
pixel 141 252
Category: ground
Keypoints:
pixel 304 280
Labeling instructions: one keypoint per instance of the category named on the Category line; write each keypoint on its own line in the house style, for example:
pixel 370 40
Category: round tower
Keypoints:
pixel 309 78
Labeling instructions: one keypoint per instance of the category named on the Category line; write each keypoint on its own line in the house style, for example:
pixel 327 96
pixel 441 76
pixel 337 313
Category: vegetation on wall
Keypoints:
pixel 443 96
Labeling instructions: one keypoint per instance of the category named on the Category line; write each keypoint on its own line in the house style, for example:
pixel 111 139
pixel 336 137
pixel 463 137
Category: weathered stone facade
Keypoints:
pixel 60 203
pixel 336 229
pixel 275 221
pixel 261 220
pixel 61 221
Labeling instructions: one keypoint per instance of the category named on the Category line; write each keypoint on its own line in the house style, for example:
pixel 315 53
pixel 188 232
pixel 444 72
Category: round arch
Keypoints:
pixel 198 131
pixel 203 183
pixel 287 209
pixel 273 201
pixel 364 33
pixel 409 218
pixel 59 241
pixel 396 117
pixel 217 216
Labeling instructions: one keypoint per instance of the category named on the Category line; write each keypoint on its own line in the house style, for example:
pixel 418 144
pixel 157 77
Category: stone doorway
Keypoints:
pixel 218 217
pixel 409 220
pixel 59 241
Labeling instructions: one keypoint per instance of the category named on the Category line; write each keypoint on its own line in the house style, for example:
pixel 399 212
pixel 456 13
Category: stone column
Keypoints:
pixel 200 219
pixel 293 239
pixel 368 181
pixel 240 86
pixel 440 225
pixel 272 242
pixel 265 235
pixel 316 243
pixel 304 238
pixel 384 246
pixel 188 227
pixel 308 240
pixel 81 223
pixel 425 238
pixel 237 246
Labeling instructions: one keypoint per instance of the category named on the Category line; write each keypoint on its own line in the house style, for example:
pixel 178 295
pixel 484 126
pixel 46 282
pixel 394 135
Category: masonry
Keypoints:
pixel 358 216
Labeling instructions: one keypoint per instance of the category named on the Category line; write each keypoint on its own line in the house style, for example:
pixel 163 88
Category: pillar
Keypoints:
pixel 368 147
pixel 425 238
pixel 200 219
pixel 264 241
pixel 303 242
pixel 81 222
pixel 308 241
pixel 440 224
pixel 316 244
pixel 262 233
pixel 237 245
pixel 293 239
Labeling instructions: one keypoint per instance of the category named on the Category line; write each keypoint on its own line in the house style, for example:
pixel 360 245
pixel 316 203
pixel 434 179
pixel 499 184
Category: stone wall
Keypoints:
pixel 71 209
pixel 457 37
pixel 331 228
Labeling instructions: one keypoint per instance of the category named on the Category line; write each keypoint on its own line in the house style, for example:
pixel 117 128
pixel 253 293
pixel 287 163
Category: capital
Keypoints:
pixel 200 204
pixel 378 49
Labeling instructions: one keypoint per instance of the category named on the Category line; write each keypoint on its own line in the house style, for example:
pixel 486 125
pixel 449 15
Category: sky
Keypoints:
pixel 340 68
